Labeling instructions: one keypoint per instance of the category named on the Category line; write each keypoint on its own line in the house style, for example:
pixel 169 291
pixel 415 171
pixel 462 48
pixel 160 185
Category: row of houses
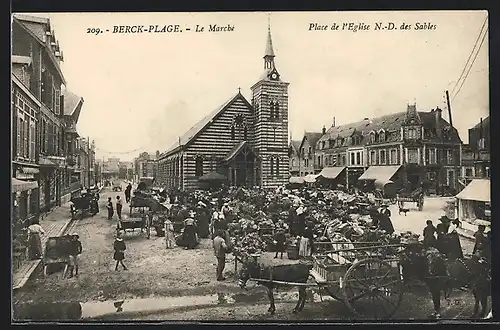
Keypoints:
pixel 50 160
pixel 411 147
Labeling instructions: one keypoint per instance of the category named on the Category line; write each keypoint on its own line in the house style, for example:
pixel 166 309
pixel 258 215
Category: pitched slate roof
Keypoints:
pixel 202 124
pixel 71 102
pixel 312 138
pixel 486 122
pixel 295 144
pixel 391 122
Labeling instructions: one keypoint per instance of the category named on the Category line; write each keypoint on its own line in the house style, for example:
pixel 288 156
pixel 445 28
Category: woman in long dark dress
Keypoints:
pixel 119 255
pixel 203 221
pixel 189 234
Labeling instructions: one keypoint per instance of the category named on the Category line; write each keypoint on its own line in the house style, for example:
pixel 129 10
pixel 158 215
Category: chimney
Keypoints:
pixel 438 116
pixel 323 130
pixel 333 124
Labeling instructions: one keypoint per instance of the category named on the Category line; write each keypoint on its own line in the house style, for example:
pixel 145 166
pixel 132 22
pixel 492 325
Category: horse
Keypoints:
pixel 442 275
pixel 296 273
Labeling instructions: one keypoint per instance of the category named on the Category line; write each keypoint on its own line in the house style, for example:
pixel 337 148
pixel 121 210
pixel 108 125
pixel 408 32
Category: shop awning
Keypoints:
pixel 20 185
pixel 331 172
pixel 30 170
pixel 310 178
pixel 296 179
pixel 380 173
pixel 476 190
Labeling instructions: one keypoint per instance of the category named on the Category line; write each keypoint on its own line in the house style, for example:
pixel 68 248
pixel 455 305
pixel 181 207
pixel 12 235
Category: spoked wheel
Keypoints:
pixel 373 289
pixel 335 291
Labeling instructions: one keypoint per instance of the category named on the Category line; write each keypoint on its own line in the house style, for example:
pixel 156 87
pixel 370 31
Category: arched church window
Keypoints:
pixel 245 133
pixel 199 166
pixel 274 134
pixel 271 110
pixel 276 110
pixel 233 132
pixel 277 166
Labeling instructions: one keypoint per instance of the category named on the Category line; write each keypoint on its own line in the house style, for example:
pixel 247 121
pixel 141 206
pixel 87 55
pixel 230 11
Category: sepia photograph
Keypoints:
pixel 250 166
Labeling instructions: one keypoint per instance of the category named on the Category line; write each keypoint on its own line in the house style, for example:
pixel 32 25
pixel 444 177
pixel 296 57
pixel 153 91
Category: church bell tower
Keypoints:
pixel 270 106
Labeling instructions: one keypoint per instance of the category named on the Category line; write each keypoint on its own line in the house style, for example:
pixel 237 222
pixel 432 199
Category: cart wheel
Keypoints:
pixel 372 289
pixel 45 270
pixel 335 291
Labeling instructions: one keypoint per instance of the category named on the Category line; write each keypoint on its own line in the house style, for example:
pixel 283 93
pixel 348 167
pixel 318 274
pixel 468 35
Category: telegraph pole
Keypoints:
pixel 456 159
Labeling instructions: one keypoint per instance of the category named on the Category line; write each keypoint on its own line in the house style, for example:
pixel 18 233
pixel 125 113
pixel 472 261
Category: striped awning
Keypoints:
pixel 20 185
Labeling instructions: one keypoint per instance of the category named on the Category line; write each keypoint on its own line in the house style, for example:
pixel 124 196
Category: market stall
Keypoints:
pixel 331 176
pixel 474 203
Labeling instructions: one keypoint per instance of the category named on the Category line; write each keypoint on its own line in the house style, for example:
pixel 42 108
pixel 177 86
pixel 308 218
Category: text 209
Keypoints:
pixel 94 31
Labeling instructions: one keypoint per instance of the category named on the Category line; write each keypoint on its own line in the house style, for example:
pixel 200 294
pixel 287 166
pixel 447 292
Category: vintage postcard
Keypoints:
pixel 278 166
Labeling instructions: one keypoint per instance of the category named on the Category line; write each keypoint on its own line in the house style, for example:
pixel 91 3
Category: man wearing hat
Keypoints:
pixel 75 249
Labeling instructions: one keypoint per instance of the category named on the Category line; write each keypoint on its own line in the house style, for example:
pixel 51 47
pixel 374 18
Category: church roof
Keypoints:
pixel 269 44
pixel 194 131
pixel 295 144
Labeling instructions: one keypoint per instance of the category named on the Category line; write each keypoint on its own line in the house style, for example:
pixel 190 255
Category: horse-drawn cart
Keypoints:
pixel 85 204
pixel 138 219
pixel 416 196
pixel 365 276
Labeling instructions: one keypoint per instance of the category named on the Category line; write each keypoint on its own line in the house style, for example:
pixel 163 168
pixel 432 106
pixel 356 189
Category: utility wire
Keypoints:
pixel 470 67
pixel 470 55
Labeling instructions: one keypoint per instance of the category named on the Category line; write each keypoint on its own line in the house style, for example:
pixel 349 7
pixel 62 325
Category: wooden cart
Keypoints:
pixel 366 277
pixel 138 219
pixel 416 197
pixel 56 253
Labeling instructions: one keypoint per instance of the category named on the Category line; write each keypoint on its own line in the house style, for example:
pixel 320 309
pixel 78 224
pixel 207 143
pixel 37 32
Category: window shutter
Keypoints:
pixel 277 166
pixel 61 103
pixel 26 138
pixel 32 139
pixel 58 102
pixel 18 129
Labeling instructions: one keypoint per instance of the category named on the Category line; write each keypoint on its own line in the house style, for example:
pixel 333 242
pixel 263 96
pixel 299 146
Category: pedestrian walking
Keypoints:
pixel 75 249
pixel 220 248
pixel 119 247
pixel 481 246
pixel 279 240
pixel 109 206
pixel 189 235
pixel 128 190
pixel 306 242
pixel 429 234
pixel 385 222
pixel 169 234
pixel 119 206
pixel 35 231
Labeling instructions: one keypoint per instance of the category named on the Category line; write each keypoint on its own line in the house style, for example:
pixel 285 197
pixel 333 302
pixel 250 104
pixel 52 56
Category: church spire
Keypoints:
pixel 269 55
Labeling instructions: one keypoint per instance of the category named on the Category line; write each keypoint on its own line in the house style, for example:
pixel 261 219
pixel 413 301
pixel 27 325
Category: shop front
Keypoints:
pixel 48 184
pixel 24 210
pixel 474 203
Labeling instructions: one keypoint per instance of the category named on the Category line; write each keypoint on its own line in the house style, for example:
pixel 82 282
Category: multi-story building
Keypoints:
pixel 146 165
pixel 34 41
pixel 479 139
pixel 294 156
pixel 308 162
pixel 246 141
pixel 85 161
pixel 72 181
pixel 417 147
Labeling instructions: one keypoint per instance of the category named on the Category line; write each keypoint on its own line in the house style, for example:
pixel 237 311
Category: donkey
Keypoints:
pixel 296 273
pixel 442 275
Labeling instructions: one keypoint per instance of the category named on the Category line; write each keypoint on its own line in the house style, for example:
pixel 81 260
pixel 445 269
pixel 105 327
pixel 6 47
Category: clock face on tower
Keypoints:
pixel 274 76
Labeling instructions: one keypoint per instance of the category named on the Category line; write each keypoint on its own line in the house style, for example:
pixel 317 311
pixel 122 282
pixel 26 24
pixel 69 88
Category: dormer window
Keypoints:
pixel 381 136
pixel 412 133
pixel 372 137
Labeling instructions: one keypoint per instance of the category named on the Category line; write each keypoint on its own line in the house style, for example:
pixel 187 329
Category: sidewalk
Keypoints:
pixel 54 224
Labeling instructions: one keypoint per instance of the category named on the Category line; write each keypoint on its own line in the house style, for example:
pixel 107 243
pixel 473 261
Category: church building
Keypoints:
pixel 246 141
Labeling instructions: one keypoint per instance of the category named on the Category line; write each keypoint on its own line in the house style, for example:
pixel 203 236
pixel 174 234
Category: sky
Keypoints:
pixel 142 91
